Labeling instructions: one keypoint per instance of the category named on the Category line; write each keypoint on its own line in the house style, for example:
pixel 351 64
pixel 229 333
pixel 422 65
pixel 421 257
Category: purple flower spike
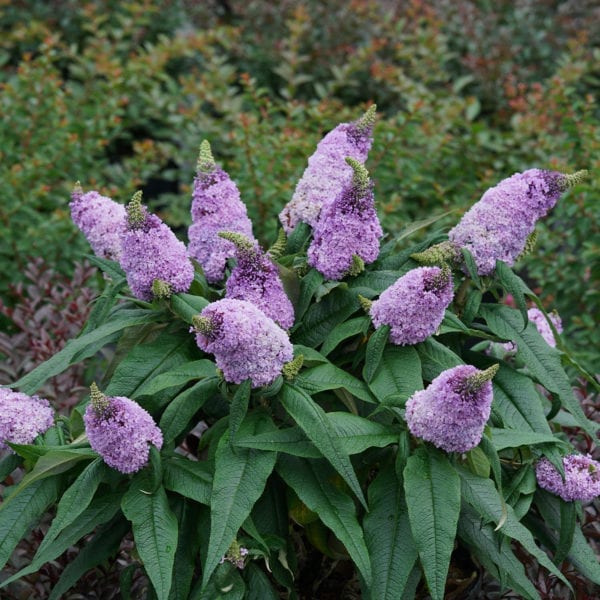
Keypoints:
pixel 216 206
pixel 120 431
pixel 22 417
pixel 452 412
pixel 327 171
pixel 414 306
pixel 348 231
pixel 499 225
pixel 246 343
pixel 256 279
pixel 536 316
pixel 582 478
pixel 101 220
pixel 155 261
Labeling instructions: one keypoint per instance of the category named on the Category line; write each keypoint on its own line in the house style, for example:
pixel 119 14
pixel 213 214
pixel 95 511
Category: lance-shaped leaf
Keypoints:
pixel 375 347
pixel 398 375
pixel 189 478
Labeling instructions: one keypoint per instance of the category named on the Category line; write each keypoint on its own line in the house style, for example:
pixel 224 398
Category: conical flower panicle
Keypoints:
pixel 151 252
pixel 327 171
pixel 216 206
pixel 581 482
pixel 255 278
pixel 22 417
pixel 499 225
pixel 101 220
pixel 414 305
pixel 347 233
pixel 120 431
pixel 452 411
pixel 245 342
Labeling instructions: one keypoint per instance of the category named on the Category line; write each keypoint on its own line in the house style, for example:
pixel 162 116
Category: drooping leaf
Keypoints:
pixel 177 376
pixel 515 286
pixel 187 306
pixel 259 586
pixel 398 375
pixel 104 304
pixel 309 284
pixel 436 358
pixel 189 478
pixel 375 348
pixel 239 408
pixel 344 331
pixel 509 438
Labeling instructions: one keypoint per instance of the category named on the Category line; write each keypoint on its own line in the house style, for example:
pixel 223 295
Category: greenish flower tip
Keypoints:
pixel 367 121
pixel 365 303
pixel 77 191
pixel 98 399
pixel 161 289
pixel 357 267
pixel 278 248
pixel 360 179
pixel 136 214
pixel 206 162
pixel 530 243
pixel 241 241
pixel 444 253
pixel 477 380
pixel 569 181
pixel 292 368
pixel 203 325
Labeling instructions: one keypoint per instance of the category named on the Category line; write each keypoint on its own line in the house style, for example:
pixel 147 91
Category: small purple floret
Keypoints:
pixel 101 220
pixel 536 316
pixel 414 306
pixel 452 412
pixel 246 343
pixel 122 433
pixel 582 478
pixel 22 417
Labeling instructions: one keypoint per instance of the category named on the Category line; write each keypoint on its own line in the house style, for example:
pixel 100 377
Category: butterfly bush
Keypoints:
pixel 256 279
pixel 120 431
pixel 414 306
pixel 101 220
pixel 216 206
pixel 453 410
pixel 155 261
pixel 537 317
pixel 23 417
pixel 246 343
pixel 327 171
pixel 581 481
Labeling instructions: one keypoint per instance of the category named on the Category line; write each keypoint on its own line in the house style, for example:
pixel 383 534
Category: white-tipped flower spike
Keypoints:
pixel 216 206
pixel 155 261
pixel 245 342
pixel 452 412
pixel 120 431
pixel 581 482
pixel 22 417
pixel 327 171
pixel 101 220
pixel 499 226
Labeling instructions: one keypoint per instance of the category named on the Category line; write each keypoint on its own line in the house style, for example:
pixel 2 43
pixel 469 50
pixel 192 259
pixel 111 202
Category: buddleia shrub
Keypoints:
pixel 366 397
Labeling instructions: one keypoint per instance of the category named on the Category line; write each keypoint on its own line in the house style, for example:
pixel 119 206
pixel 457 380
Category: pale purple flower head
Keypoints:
pixel 582 478
pixel 22 417
pixel 499 225
pixel 327 171
pixel 246 343
pixel 536 316
pixel 155 261
pixel 216 206
pixel 414 306
pixel 120 431
pixel 346 235
pixel 101 220
pixel 452 412
pixel 255 278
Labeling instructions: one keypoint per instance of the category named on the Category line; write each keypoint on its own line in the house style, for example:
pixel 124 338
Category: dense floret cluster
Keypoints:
pixel 581 482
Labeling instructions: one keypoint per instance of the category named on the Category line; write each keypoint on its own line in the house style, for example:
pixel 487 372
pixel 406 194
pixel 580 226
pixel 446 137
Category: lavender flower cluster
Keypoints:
pixel 22 417
pixel 414 306
pixel 536 316
pixel 581 482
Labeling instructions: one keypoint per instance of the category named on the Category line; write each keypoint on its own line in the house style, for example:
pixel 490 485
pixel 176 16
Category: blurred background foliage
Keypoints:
pixel 119 94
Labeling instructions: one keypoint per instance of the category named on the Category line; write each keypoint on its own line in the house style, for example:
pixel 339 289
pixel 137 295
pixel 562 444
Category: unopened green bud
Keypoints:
pixel 292 368
pixel 357 266
pixel 530 243
pixel 365 303
pixel 278 248
pixel 569 181
pixel 206 162
pixel 161 289
pixel 77 191
pixel 367 121
pixel 203 325
pixel 360 179
pixel 98 399
pixel 136 213
pixel 241 241
pixel 444 253
pixel 477 380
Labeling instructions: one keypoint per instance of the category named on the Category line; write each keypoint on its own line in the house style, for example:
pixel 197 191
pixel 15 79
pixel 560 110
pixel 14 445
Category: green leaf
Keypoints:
pixel 432 488
pixel 155 531
pixel 398 375
pixel 375 348
pixel 320 318
pixel 239 480
pixel 508 438
pixel 542 360
pixel 329 377
pixel 435 358
pixel 309 284
pixel 83 347
pixel 372 283
pixel 110 267
pixel 259 586
pixel 19 511
pixel 104 304
pixel 471 266
pixel 178 376
pixel 313 421
pixel 298 238
pixel 8 464
pixel 187 306
pixel 343 331
pixel 225 584
pixel 239 408
pixel 183 407
pixel 515 286
pixel 472 306
pixel 189 478
pixel 388 537
pixel 313 483
pixel 568 522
